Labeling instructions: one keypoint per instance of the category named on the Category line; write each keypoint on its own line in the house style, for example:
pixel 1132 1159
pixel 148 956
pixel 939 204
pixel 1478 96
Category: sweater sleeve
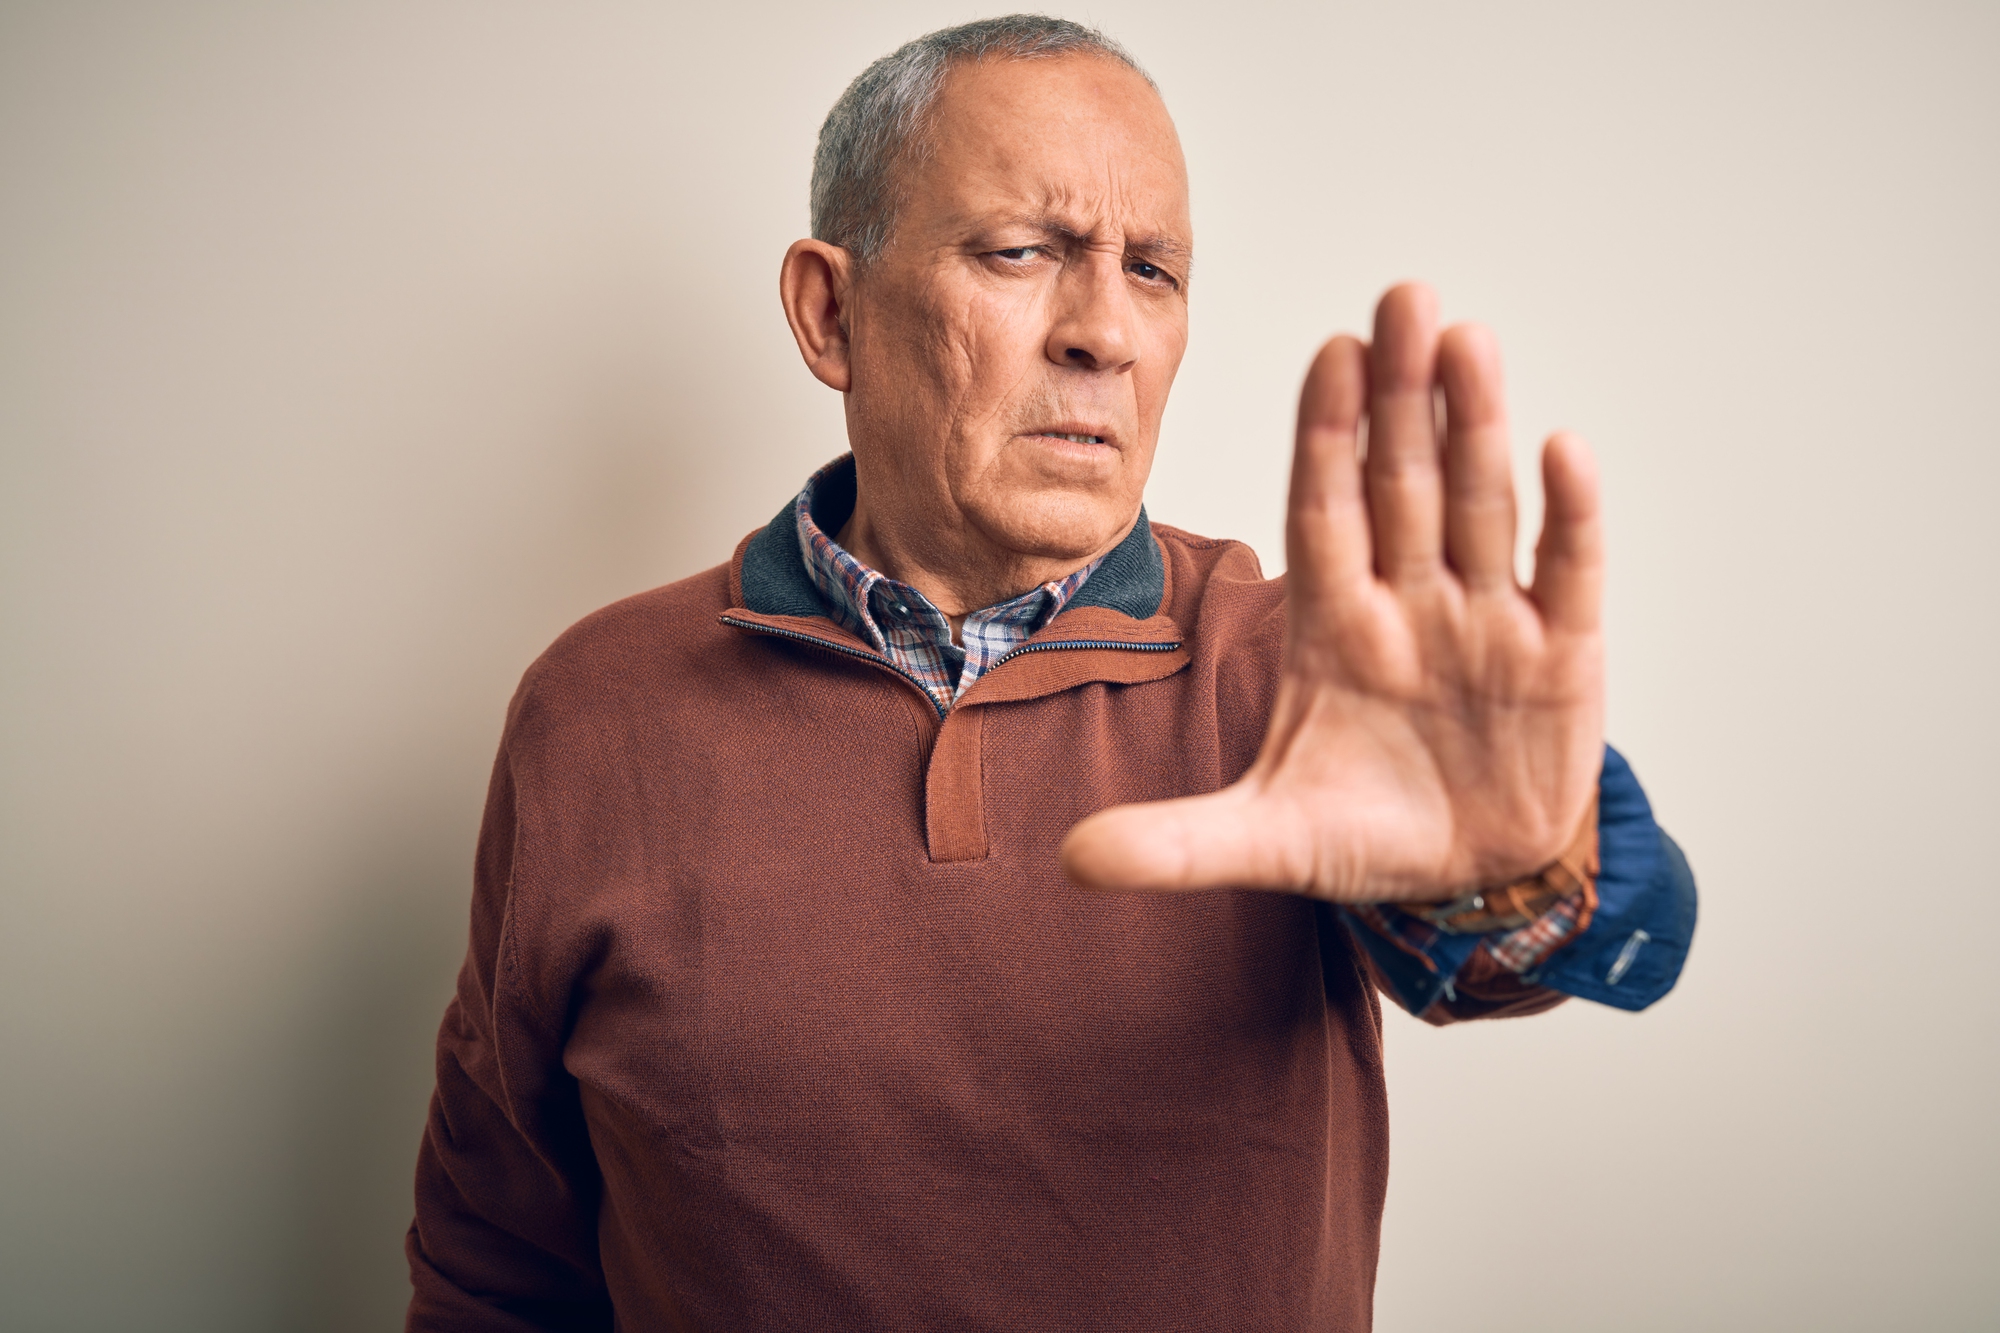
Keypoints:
pixel 507 1188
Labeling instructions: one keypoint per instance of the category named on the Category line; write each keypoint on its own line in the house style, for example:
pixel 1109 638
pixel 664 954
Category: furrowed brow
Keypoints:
pixel 1160 247
pixel 1044 223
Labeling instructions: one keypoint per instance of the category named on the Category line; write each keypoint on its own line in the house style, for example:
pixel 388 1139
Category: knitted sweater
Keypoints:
pixel 779 1014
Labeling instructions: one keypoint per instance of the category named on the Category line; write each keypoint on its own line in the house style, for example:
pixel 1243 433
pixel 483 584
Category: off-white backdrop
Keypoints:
pixel 349 352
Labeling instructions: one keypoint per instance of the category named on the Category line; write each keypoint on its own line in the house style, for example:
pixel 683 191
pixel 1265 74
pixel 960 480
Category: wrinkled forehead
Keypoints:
pixel 1080 137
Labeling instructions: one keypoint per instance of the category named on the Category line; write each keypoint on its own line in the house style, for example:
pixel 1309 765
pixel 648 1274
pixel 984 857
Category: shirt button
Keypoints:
pixel 900 608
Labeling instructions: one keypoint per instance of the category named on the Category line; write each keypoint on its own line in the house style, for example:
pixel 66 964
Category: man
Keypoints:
pixel 818 976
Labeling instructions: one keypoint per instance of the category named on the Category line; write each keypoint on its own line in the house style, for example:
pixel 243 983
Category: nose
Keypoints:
pixel 1094 326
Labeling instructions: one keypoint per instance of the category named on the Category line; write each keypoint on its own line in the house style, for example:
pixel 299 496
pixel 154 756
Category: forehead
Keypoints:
pixel 1078 134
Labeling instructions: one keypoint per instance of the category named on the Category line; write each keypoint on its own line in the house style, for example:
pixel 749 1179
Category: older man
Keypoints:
pixel 781 1010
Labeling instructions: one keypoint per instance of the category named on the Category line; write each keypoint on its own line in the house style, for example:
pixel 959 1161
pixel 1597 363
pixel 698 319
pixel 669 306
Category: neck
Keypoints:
pixel 958 568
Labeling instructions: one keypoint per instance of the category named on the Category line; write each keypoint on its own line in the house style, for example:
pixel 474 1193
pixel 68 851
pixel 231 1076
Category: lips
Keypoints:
pixel 1074 432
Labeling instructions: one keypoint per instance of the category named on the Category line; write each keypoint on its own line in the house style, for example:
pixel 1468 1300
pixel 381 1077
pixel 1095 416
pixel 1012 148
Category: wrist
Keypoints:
pixel 1514 904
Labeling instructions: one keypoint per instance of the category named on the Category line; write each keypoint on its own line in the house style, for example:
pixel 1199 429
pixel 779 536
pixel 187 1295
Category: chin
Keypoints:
pixel 1058 523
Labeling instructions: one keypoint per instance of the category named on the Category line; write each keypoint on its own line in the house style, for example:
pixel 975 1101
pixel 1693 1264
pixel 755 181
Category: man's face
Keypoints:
pixel 1034 291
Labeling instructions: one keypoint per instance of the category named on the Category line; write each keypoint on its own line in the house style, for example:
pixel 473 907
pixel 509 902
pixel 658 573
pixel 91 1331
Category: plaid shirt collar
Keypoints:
pixel 903 624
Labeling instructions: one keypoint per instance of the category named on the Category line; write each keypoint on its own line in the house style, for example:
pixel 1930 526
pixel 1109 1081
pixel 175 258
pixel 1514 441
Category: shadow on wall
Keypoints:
pixel 362 1075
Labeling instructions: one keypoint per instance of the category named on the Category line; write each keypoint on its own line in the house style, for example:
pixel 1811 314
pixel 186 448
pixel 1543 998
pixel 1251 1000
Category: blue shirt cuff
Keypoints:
pixel 1638 938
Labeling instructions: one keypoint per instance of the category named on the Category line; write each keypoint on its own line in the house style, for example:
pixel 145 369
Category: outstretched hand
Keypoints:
pixel 1438 727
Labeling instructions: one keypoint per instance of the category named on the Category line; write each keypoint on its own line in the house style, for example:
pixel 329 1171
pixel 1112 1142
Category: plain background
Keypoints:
pixel 349 352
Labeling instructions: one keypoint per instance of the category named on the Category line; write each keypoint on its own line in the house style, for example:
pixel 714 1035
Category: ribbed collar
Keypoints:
pixel 1130 580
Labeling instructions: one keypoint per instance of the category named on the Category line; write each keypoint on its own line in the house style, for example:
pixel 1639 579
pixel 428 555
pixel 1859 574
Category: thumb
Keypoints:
pixel 1215 841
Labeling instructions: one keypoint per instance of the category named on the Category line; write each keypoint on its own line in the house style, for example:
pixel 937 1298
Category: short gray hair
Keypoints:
pixel 883 114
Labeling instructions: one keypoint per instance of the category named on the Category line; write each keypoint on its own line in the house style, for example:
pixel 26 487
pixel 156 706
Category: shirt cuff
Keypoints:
pixel 1627 954
pixel 1522 951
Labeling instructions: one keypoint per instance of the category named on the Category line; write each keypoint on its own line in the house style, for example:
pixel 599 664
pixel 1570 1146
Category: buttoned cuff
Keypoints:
pixel 1625 949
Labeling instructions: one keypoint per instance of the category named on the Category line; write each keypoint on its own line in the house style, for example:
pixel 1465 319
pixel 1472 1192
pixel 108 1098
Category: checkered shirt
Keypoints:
pixel 906 628
pixel 1521 950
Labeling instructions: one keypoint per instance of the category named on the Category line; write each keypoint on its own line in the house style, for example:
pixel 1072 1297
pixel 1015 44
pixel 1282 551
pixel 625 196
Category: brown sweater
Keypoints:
pixel 778 1013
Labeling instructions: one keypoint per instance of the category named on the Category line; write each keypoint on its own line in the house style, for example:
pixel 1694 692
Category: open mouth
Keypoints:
pixel 1073 439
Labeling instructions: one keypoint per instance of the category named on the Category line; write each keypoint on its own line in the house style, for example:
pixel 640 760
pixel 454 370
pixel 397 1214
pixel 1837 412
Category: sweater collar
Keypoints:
pixel 1131 580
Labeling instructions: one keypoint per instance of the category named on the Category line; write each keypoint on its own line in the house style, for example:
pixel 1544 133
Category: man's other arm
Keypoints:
pixel 505 1237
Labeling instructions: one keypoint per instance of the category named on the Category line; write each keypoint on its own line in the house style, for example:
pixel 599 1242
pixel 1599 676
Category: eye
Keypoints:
pixel 1018 253
pixel 1149 272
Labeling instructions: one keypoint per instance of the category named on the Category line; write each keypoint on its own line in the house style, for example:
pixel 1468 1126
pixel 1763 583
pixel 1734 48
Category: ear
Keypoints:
pixel 815 285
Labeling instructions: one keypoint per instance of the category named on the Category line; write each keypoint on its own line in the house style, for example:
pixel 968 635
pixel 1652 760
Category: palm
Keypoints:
pixel 1438 727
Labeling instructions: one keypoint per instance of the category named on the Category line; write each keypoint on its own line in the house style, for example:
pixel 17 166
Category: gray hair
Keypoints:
pixel 881 117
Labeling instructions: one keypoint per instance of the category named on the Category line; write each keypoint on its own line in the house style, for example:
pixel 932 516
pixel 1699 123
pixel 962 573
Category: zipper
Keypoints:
pixel 942 712
pixel 831 646
pixel 1053 644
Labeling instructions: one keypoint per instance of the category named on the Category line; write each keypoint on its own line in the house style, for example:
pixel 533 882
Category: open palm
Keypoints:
pixel 1438 727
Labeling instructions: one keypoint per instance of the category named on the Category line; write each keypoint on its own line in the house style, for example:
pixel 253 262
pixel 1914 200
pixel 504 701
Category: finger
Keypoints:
pixel 1478 468
pixel 1404 488
pixel 1195 842
pixel 1569 558
pixel 1326 521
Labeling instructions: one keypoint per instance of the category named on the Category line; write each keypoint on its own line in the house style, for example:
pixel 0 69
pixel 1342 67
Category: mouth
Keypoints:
pixel 1069 436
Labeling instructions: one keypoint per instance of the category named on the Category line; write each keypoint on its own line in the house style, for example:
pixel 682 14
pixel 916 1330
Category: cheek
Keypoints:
pixel 1156 370
pixel 916 366
pixel 1004 332
pixel 950 335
